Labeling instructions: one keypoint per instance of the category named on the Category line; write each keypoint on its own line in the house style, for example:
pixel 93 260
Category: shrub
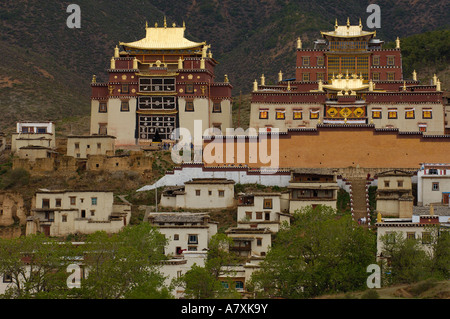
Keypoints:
pixel 370 294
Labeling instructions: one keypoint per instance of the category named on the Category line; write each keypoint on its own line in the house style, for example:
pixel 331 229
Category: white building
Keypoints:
pixel 200 193
pixel 61 212
pixel 417 227
pixel 268 210
pixel 433 184
pixel 35 134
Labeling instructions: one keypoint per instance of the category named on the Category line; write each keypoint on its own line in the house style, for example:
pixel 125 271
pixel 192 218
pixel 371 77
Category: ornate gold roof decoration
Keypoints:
pixel 164 39
pixel 348 30
pixel 347 84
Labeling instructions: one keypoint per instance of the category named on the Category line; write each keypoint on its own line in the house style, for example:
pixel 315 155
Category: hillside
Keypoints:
pixel 46 67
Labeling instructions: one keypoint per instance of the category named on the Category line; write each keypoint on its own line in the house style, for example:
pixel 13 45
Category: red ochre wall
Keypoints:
pixel 346 147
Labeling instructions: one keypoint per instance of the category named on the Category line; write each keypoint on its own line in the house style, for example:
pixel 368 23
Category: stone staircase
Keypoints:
pixel 359 199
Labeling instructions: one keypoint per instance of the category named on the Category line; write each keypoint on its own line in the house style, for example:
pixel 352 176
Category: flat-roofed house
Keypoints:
pixel 312 187
pixel 62 212
pixel 33 134
pixel 262 210
pixel 200 193
pixel 185 231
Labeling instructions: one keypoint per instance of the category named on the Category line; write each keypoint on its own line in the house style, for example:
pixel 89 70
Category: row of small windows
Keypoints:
pixel 103 107
pixel 376 114
pixel 409 113
pixel 189 107
pixel 73 201
pixel 376 76
pixel 281 114
pixel 347 61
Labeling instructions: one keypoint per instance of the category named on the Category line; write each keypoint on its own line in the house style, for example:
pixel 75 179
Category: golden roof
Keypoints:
pixel 164 38
pixel 346 31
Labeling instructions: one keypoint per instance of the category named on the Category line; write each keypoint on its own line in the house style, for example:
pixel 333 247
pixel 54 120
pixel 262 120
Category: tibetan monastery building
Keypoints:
pixel 159 83
pixel 349 79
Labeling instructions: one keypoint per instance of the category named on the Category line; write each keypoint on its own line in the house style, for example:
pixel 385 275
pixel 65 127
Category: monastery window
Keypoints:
pixel 77 146
pixel 259 242
pixel 193 239
pixel 102 107
pixel 435 186
pixel 391 76
pixel 73 200
pixel 305 61
pixel 176 237
pixel 189 88
pixel 426 238
pixel 102 129
pixel 392 113
pixel 427 114
pixel 391 60
pixel 42 130
pixel 376 114
pixel 433 171
pixel 64 218
pixel 386 184
pixel 92 212
pixel 267 216
pixel 45 203
pixel 305 77
pixel 320 76
pixel 99 146
pixel 259 215
pixel 58 202
pixel 314 114
pixel 221 193
pixel 94 201
pixel 376 60
pixel 263 114
pixel 7 278
pixel 376 76
pixel 320 61
pixel 410 235
pixel 197 192
pixel 157 84
pixel 268 203
pixel 125 106
pixel 189 106
pixel 409 114
pixel 281 115
pixel 209 193
pixel 125 89
pixel 399 183
pixel 217 107
pixel 298 115
pixel 248 215
pixel 390 237
pixel 422 127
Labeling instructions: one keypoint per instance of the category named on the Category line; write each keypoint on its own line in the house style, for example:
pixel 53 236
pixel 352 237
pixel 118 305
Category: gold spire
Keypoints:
pixel 404 85
pixel 379 220
pixel 438 85
pixel 360 24
pixel 263 80
pixel 146 24
pixel 299 43
pixel 180 63
pixel 289 86
pixel 255 86
pixel 397 43
pixel 415 75
pixel 184 24
pixel 280 76
pixel 336 24
pixel 116 52
pixel 434 79
pixel 226 79
pixel 165 22
pixel 348 22
pixel 94 79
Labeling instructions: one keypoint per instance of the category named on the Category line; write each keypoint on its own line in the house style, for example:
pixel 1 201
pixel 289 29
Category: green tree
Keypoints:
pixel 36 265
pixel 320 252
pixel 204 282
pixel 124 265
pixel 408 262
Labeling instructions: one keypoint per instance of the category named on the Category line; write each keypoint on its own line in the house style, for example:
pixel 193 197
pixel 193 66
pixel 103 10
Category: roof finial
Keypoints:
pixel 360 24
pixel 299 43
pixel 397 43
pixel 336 24
pixel 348 22
pixel 184 24
pixel 415 75
pixel 165 22
pixel 146 24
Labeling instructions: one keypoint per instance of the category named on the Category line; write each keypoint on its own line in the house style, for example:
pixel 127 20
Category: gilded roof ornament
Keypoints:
pixel 414 75
pixel 165 22
pixel 397 43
